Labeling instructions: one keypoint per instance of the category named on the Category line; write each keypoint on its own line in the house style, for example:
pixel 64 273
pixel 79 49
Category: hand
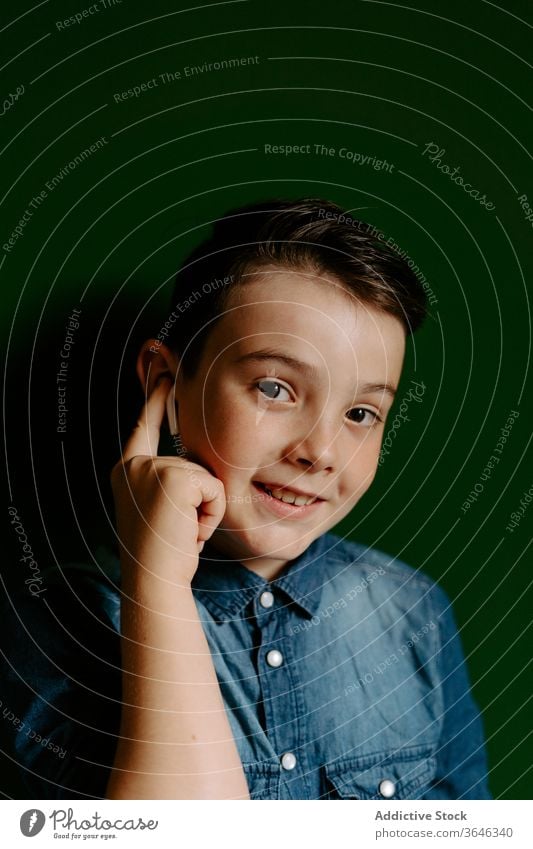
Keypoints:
pixel 166 507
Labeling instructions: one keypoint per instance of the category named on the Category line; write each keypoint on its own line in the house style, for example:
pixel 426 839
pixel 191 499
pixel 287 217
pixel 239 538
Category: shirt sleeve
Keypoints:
pixel 60 686
pixel 461 757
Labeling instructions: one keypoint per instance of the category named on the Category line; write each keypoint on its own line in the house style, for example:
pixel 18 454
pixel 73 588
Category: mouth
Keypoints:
pixel 284 501
pixel 288 495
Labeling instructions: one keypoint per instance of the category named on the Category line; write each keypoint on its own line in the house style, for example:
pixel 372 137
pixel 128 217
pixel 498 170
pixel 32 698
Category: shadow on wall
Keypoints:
pixel 83 402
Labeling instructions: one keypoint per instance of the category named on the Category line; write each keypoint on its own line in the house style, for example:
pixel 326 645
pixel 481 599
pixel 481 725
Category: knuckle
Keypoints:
pixel 134 464
pixel 126 469
pixel 166 475
pixel 117 473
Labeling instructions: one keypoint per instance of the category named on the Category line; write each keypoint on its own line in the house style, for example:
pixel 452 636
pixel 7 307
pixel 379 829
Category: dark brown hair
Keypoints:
pixel 310 235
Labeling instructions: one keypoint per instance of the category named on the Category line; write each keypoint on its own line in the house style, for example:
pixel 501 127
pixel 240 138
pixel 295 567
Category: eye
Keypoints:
pixel 272 390
pixel 360 415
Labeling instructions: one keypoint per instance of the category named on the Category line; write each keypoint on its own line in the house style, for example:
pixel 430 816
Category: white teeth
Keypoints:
pixel 284 495
pixel 290 497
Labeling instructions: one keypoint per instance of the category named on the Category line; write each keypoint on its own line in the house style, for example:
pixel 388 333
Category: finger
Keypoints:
pixel 144 438
pixel 211 512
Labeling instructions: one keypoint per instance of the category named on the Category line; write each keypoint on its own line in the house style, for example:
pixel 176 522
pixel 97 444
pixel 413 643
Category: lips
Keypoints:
pixel 305 510
pixel 289 495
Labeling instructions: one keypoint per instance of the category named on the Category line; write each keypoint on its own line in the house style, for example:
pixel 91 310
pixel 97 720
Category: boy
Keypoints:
pixel 263 657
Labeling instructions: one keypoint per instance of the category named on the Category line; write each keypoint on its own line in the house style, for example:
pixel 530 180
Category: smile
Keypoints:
pixel 290 497
pixel 285 501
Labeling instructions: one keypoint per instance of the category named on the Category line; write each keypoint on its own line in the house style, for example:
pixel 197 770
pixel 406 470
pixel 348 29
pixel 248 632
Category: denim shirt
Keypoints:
pixel 343 678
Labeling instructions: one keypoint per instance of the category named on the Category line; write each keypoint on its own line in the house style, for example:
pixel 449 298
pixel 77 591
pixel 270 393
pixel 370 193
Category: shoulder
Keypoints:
pixel 382 576
pixel 95 581
pixel 362 558
pixel 72 597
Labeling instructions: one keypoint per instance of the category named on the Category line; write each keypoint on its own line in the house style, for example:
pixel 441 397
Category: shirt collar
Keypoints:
pixel 226 586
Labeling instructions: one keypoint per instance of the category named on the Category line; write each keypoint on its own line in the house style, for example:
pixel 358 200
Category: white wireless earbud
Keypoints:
pixel 171 413
pixel 180 449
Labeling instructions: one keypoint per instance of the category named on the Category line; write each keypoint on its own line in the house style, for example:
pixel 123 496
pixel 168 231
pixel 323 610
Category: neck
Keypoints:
pixel 268 568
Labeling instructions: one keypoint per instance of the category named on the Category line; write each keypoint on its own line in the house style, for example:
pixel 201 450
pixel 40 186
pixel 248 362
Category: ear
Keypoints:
pixel 154 361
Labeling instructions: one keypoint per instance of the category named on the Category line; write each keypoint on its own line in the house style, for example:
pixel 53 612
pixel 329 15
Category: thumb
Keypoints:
pixel 144 439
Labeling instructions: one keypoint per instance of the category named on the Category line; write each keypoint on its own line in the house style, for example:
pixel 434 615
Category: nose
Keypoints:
pixel 316 447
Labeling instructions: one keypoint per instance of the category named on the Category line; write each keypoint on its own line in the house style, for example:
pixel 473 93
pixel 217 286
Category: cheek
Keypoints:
pixel 231 441
pixel 236 428
pixel 360 471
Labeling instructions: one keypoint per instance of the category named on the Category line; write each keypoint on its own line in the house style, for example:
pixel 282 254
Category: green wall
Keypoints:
pixel 373 79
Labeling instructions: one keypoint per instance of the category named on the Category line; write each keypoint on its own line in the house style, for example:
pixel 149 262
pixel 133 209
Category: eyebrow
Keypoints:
pixel 307 369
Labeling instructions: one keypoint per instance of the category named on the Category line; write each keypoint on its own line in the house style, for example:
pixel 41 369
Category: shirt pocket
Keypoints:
pixel 263 780
pixel 402 775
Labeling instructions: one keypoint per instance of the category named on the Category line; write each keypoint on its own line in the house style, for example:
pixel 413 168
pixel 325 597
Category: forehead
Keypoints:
pixel 279 297
pixel 308 315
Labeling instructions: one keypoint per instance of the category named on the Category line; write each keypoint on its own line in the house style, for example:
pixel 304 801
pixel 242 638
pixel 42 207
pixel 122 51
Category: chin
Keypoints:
pixel 279 544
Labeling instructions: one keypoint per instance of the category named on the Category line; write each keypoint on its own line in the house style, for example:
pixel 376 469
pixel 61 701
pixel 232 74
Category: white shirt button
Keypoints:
pixel 387 788
pixel 274 658
pixel 266 599
pixel 288 760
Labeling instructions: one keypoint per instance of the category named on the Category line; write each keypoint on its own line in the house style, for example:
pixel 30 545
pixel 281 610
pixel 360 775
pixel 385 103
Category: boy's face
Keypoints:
pixel 292 391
